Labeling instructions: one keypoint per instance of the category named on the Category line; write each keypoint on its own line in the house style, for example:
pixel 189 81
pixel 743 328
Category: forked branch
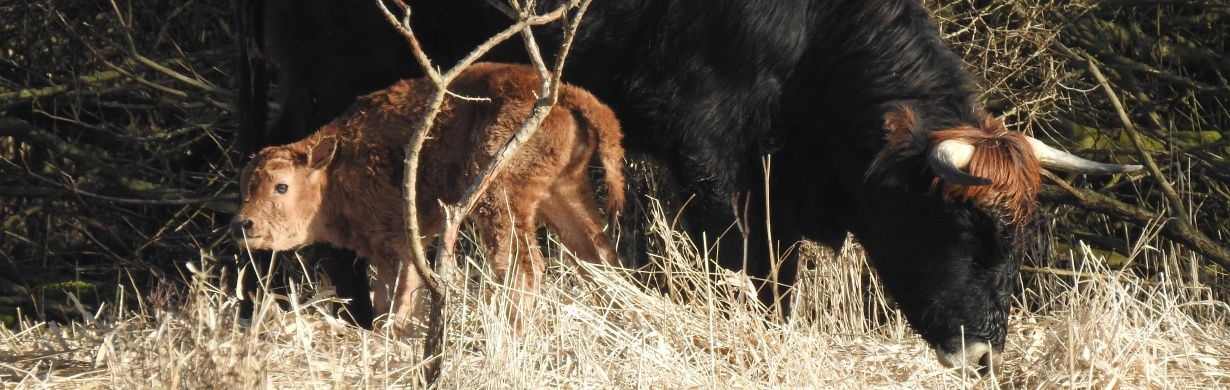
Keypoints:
pixel 441 81
pixel 455 214
pixel 548 95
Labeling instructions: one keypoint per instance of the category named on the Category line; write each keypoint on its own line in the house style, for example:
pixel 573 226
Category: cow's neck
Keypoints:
pixel 864 57
pixel 888 50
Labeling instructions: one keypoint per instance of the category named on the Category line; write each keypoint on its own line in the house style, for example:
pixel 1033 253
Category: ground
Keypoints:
pixel 1085 327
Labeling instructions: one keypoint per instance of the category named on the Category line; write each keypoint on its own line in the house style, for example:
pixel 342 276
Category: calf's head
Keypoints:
pixel 282 190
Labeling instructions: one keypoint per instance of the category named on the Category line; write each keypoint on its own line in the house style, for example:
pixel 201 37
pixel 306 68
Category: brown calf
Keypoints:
pixel 343 184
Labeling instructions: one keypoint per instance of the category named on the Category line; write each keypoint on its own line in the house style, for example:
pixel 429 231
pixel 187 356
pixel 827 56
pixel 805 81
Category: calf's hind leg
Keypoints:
pixel 571 213
pixel 505 221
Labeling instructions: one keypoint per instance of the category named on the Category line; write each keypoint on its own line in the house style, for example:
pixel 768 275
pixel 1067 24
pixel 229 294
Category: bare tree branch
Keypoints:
pixel 548 97
pixel 1176 202
pixel 1092 200
pixel 414 147
pixel 455 214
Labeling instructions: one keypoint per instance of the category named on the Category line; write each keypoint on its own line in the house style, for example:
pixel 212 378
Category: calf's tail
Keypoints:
pixel 602 124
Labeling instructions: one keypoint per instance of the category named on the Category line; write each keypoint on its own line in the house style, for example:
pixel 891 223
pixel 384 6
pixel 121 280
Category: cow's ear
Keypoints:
pixel 899 122
pixel 322 152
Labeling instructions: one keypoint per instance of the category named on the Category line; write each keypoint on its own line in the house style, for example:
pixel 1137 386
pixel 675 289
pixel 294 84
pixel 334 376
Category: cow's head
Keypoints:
pixel 949 198
pixel 282 189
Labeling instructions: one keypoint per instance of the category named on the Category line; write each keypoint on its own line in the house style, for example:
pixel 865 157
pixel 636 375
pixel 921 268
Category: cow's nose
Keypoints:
pixel 238 226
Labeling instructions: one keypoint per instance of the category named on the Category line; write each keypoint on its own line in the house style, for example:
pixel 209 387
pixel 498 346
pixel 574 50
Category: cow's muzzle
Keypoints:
pixel 975 358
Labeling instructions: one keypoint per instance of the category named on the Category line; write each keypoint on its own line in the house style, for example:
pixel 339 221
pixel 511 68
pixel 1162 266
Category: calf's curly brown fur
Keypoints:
pixel 343 184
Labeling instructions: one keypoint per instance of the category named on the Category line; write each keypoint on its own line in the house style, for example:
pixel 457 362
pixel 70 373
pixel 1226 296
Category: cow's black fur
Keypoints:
pixel 948 265
pixel 710 86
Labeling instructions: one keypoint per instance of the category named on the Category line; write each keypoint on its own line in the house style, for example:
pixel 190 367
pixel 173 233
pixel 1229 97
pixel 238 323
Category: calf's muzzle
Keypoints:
pixel 240 226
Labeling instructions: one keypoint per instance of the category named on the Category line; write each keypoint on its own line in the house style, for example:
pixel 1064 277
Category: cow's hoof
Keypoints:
pixel 977 358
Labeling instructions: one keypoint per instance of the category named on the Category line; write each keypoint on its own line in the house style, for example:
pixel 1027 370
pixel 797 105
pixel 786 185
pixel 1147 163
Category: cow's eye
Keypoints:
pixel 281 188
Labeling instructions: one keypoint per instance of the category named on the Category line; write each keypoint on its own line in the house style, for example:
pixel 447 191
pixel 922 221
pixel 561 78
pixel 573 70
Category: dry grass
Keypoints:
pixel 1083 327
pixel 1103 330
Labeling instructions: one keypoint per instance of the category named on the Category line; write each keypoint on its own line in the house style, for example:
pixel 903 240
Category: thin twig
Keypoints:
pixel 24 95
pixel 415 145
pixel 143 202
pixel 1088 275
pixel 433 345
pixel 87 156
pixel 141 80
pixel 511 13
pixel 549 94
pixel 131 50
pixel 1184 234
pixel 179 76
pixel 1175 201
pixel 548 97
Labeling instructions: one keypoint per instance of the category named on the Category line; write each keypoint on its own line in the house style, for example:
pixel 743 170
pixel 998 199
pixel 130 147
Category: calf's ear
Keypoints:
pixel 322 153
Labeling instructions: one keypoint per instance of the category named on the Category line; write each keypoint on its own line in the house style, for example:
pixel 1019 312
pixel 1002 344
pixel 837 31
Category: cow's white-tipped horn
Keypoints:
pixel 949 158
pixel 1053 158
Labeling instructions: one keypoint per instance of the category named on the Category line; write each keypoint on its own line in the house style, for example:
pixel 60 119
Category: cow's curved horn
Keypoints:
pixel 1057 159
pixel 949 158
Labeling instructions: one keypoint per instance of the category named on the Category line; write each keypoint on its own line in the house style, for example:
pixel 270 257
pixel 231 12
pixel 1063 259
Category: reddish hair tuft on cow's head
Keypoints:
pixel 899 123
pixel 1007 159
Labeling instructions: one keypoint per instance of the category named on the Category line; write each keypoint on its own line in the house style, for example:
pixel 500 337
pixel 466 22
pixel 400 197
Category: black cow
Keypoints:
pixel 871 121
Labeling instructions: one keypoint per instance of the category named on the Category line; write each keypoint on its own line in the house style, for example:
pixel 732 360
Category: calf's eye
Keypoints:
pixel 281 188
